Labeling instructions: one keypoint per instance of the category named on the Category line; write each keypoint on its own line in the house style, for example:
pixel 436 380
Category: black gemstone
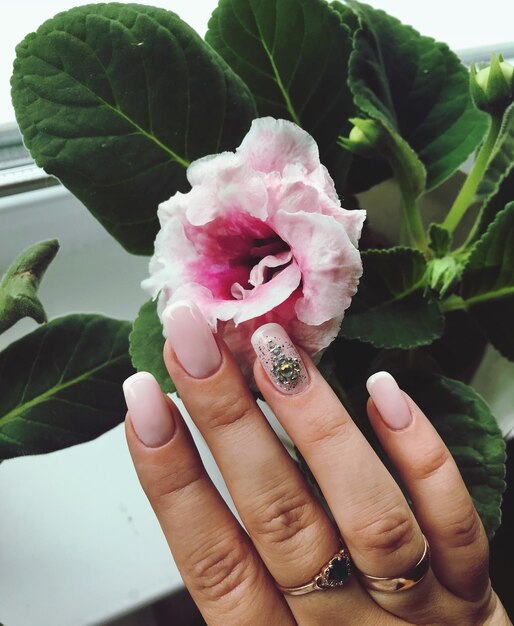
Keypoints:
pixel 338 572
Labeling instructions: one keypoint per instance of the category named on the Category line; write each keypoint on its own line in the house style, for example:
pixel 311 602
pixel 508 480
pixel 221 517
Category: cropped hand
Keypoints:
pixel 268 574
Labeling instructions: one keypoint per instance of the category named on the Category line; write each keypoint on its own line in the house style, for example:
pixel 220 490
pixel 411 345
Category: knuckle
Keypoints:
pixel 387 533
pixel 223 570
pixel 465 531
pixel 321 429
pixel 228 409
pixel 166 485
pixel 429 462
pixel 285 516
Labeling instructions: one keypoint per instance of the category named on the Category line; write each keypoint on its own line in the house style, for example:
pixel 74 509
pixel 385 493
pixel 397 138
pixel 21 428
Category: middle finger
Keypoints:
pixel 287 524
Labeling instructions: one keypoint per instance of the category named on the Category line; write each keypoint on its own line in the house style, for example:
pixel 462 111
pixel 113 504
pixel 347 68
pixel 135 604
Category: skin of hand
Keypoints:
pixel 232 574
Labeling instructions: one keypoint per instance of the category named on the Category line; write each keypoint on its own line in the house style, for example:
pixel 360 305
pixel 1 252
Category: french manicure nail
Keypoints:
pixel 389 400
pixel 149 412
pixel 191 338
pixel 280 359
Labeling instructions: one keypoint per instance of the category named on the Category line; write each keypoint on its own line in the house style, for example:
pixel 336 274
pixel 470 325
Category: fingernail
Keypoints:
pixel 280 359
pixel 191 338
pixel 148 409
pixel 389 400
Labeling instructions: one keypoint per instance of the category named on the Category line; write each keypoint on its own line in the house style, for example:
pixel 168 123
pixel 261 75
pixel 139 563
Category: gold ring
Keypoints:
pixel 400 583
pixel 332 575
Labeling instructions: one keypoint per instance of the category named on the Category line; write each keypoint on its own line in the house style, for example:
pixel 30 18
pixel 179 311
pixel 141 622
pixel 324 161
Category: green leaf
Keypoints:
pixel 18 289
pixel 497 186
pixel 116 100
pixel 439 240
pixel 487 288
pixel 293 54
pixel 390 309
pixel 62 384
pixel 347 15
pixel 419 91
pixel 146 344
pixel 469 429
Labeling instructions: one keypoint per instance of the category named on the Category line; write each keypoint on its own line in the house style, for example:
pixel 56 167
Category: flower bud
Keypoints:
pixel 492 87
pixel 364 138
pixel 443 273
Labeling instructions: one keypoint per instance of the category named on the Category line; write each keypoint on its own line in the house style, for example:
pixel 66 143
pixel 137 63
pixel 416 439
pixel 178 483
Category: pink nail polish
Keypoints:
pixel 280 359
pixel 191 338
pixel 149 412
pixel 389 400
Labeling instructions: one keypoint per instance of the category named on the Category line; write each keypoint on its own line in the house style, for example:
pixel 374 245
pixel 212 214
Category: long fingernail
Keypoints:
pixel 389 400
pixel 148 409
pixel 280 359
pixel 191 338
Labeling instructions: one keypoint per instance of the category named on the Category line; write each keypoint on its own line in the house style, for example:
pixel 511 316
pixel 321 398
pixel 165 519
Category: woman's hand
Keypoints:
pixel 234 576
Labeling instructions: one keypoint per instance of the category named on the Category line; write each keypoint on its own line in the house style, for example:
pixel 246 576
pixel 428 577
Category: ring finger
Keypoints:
pixel 371 512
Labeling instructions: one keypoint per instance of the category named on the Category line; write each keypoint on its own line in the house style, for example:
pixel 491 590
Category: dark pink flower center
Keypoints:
pixel 229 248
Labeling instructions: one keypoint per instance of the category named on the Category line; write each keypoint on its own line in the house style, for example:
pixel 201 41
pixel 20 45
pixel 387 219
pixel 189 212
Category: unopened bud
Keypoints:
pixel 492 87
pixel 364 138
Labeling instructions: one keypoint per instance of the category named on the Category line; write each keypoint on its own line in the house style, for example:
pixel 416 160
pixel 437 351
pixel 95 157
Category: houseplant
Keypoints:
pixel 117 100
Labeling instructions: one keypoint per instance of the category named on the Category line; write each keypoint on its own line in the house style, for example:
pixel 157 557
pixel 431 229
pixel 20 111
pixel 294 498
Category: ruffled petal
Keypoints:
pixel 269 261
pixel 269 295
pixel 272 145
pixel 330 264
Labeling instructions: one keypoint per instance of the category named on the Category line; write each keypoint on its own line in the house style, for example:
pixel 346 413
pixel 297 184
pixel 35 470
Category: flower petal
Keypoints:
pixel 267 296
pixel 330 264
pixel 269 261
pixel 272 145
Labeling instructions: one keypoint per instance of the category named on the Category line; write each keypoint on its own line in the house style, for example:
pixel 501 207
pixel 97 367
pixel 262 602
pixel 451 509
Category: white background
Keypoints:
pixel 78 541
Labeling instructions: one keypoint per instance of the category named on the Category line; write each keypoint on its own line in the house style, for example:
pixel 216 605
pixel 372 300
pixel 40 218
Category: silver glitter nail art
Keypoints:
pixel 282 362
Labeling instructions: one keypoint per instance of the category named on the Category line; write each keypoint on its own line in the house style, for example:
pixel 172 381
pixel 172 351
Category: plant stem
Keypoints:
pixel 467 193
pixel 411 214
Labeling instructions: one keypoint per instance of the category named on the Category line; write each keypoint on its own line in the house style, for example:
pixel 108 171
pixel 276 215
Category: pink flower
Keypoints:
pixel 260 237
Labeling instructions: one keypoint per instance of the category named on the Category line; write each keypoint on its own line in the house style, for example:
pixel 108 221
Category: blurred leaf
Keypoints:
pixel 390 309
pixel 293 55
pixel 18 289
pixel 439 240
pixel 116 100
pixel 460 349
pixel 418 90
pixel 497 186
pixel 487 287
pixel 146 345
pixel 62 384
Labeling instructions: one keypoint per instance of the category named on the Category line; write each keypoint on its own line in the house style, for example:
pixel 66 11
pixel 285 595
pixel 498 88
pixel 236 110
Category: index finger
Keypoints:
pixel 216 559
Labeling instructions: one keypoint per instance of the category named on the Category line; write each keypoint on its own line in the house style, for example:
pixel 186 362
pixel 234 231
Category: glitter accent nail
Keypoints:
pixel 280 359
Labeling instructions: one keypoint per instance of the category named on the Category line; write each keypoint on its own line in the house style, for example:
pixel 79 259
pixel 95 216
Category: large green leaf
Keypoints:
pixel 497 186
pixel 62 384
pixel 471 433
pixel 487 286
pixel 390 309
pixel 146 344
pixel 116 100
pixel 18 289
pixel 419 91
pixel 293 54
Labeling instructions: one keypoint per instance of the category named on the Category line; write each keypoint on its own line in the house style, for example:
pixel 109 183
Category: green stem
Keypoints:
pixel 467 193
pixel 411 214
pixel 454 302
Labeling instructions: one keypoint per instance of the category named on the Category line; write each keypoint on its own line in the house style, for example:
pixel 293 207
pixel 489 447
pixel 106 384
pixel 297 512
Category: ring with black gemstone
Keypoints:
pixel 332 575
